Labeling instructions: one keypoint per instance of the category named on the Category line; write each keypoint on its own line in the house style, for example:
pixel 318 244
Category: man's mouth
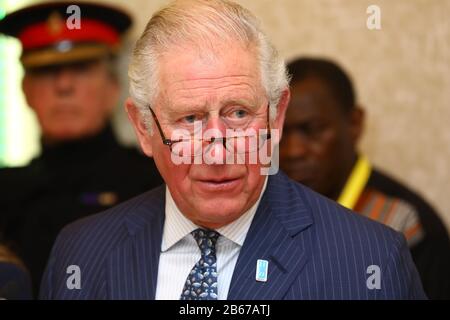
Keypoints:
pixel 222 184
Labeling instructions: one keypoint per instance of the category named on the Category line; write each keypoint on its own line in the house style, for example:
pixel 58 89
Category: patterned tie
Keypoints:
pixel 201 283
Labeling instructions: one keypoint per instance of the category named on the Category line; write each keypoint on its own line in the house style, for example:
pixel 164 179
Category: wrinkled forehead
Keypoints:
pixel 209 73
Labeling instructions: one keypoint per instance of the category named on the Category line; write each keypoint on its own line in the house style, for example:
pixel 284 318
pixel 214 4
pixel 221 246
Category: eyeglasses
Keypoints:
pixel 193 146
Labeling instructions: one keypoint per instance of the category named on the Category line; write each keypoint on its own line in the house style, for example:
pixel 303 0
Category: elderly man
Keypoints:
pixel 208 92
pixel 71 84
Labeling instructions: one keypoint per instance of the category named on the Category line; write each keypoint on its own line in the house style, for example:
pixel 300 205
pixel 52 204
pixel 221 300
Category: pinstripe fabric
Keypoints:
pixel 179 250
pixel 117 252
pixel 316 250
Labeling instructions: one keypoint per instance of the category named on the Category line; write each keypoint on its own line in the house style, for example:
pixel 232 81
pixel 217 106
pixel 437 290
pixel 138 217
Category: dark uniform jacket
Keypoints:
pixel 432 254
pixel 65 183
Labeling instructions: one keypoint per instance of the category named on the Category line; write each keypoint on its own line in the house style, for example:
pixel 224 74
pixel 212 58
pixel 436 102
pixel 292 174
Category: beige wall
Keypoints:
pixel 402 74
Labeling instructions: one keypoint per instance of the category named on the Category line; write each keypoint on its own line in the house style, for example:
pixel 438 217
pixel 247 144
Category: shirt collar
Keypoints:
pixel 177 226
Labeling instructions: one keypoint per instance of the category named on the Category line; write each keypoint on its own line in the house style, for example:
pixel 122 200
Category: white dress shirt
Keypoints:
pixel 180 252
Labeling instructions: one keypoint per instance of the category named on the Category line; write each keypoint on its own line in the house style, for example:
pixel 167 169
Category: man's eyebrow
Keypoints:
pixel 176 110
pixel 247 101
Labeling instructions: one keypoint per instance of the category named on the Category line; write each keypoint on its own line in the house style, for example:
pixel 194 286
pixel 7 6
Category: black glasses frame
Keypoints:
pixel 170 143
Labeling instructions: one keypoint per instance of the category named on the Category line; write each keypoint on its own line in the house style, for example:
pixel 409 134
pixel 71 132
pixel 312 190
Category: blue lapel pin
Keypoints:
pixel 262 269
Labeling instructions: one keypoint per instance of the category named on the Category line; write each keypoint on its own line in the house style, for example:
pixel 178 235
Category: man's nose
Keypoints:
pixel 293 145
pixel 217 153
pixel 216 124
pixel 64 80
pixel 216 128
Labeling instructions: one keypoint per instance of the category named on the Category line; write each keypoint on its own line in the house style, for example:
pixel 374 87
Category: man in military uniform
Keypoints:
pixel 71 85
pixel 319 149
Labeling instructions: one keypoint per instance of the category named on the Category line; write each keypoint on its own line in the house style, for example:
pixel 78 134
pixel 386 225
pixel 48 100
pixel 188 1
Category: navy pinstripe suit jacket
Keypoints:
pixel 316 250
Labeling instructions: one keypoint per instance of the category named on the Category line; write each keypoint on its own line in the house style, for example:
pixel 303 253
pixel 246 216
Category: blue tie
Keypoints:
pixel 201 283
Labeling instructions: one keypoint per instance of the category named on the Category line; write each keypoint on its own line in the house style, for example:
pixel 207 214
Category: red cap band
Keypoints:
pixel 40 35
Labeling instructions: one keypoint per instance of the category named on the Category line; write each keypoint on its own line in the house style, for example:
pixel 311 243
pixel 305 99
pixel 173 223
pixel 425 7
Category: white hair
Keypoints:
pixel 200 22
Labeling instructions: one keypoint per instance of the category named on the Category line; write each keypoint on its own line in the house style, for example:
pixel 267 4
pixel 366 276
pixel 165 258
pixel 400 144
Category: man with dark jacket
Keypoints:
pixel 322 127
pixel 71 85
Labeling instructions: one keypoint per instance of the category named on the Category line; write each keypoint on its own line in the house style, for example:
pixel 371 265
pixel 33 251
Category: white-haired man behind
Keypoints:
pixel 208 97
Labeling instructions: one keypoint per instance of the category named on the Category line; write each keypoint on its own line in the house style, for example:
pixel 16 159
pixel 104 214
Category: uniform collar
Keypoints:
pixel 78 150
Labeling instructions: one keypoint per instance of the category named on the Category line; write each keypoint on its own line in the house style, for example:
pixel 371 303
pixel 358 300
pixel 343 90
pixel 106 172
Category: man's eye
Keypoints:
pixel 189 119
pixel 239 114
pixel 310 128
pixel 82 67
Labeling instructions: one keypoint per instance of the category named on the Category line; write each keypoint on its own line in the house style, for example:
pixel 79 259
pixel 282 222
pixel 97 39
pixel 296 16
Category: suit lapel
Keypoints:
pixel 273 236
pixel 132 268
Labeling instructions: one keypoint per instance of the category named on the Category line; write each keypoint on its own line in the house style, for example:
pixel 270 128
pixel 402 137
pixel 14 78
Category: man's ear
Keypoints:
pixel 356 124
pixel 113 96
pixel 281 112
pixel 27 88
pixel 139 127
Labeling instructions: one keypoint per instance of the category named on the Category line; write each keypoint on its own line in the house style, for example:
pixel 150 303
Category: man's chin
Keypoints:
pixel 219 215
pixel 66 135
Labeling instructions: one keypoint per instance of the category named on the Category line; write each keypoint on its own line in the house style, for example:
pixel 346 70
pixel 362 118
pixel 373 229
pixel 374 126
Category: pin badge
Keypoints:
pixel 262 269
